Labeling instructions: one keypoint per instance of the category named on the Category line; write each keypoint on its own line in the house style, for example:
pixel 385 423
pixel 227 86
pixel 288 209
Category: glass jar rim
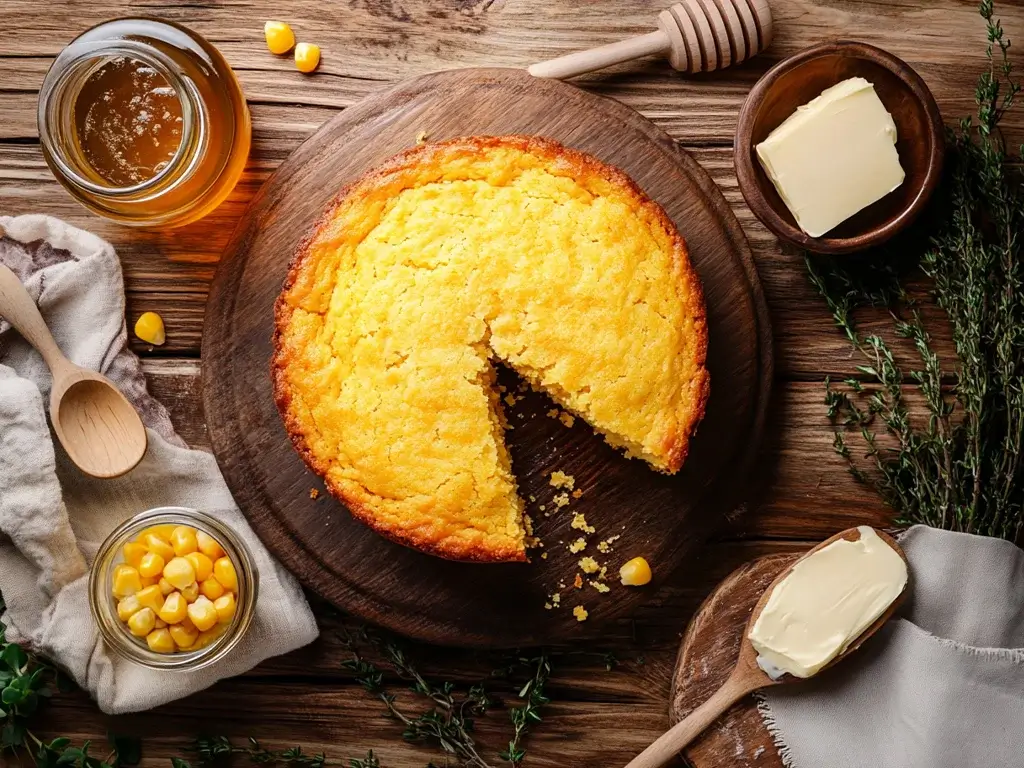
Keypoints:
pixel 126 646
pixel 81 54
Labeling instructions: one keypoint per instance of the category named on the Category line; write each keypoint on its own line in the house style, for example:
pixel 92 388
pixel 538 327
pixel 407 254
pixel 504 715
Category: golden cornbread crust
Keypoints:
pixel 320 325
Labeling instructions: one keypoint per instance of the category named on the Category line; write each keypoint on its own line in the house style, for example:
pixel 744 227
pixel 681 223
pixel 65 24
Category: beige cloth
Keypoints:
pixel 53 518
pixel 942 686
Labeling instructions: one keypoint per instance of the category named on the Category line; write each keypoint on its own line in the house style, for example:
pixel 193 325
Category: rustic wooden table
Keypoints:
pixel 597 717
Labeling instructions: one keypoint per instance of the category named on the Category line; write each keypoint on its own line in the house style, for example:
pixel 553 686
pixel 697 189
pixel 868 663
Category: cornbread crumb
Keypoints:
pixel 421 137
pixel 553 413
pixel 578 582
pixel 580 613
pixel 510 399
pixel 556 599
pixel 567 419
pixel 578 546
pixel 579 522
pixel 589 565
pixel 313 493
pixel 543 555
pixel 543 507
pixel 532 497
pixel 605 546
pixel 561 500
pixel 548 606
pixel 577 493
pixel 600 586
pixel 561 480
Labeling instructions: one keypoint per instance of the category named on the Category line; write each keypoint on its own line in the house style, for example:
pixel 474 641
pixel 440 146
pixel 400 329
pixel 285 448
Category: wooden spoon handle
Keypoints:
pixel 670 743
pixel 17 307
pixel 605 56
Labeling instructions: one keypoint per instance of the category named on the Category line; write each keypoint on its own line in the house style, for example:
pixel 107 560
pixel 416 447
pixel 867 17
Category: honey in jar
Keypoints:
pixel 144 122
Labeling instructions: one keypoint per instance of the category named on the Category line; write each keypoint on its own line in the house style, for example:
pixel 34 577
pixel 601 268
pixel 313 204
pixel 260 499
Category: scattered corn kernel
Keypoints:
pixel 211 588
pixel 224 572
pixel 179 572
pixel 184 636
pixel 202 564
pixel 208 545
pixel 580 613
pixel 150 328
pixel 128 607
pixel 160 641
pixel 174 608
pixel 202 613
pixel 159 623
pixel 142 622
pixel 151 597
pixel 225 607
pixel 307 57
pixel 635 573
pixel 126 581
pixel 279 36
pixel 163 530
pixel 165 587
pixel 134 552
pixel 158 545
pixel 191 592
pixel 151 565
pixel 184 540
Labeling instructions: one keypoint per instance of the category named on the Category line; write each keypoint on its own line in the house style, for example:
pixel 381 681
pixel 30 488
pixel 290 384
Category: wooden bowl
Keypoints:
pixel 798 79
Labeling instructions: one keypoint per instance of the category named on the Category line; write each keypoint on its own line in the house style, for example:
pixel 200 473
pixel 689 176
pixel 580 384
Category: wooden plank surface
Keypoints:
pixel 598 718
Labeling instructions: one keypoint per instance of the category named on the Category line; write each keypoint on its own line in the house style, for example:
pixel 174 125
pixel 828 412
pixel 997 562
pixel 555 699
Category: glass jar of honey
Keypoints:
pixel 144 122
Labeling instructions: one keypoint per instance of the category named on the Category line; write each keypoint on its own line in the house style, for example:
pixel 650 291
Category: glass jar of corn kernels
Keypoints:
pixel 173 588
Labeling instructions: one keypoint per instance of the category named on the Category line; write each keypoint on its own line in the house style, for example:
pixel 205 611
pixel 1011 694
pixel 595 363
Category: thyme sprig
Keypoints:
pixel 961 469
pixel 448 723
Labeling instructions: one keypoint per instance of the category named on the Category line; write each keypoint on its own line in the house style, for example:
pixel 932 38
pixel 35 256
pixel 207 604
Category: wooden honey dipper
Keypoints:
pixel 697 35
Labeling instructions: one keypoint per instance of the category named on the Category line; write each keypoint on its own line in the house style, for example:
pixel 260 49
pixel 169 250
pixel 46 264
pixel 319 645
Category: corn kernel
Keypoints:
pixel 202 564
pixel 150 328
pixel 279 36
pixel 208 545
pixel 307 57
pixel 128 607
pixel 165 587
pixel 225 607
pixel 149 581
pixel 208 636
pixel 126 581
pixel 159 623
pixel 183 539
pixel 184 636
pixel 635 573
pixel 202 613
pixel 179 572
pixel 160 641
pixel 158 546
pixel 163 530
pixel 191 592
pixel 224 572
pixel 151 597
pixel 141 624
pixel 152 565
pixel 211 588
pixel 134 552
pixel 174 608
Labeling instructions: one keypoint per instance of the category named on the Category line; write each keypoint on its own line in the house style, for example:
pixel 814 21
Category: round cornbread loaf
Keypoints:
pixel 444 258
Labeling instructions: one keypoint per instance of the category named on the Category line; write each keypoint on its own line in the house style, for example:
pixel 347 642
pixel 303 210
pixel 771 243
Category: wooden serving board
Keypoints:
pixel 711 644
pixel 662 518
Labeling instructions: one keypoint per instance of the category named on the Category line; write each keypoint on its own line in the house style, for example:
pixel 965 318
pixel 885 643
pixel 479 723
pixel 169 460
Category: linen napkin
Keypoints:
pixel 942 686
pixel 53 518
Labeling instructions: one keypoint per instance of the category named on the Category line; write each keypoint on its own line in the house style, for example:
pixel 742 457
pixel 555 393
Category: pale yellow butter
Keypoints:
pixel 825 603
pixel 834 156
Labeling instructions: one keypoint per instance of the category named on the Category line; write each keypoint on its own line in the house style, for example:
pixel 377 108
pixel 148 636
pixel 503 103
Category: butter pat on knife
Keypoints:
pixel 834 156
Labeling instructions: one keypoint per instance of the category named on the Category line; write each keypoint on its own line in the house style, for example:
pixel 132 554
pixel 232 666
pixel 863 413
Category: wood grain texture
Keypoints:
pixel 458 603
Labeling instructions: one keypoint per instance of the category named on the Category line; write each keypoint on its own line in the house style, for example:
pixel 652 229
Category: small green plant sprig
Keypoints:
pixel 448 723
pixel 962 468
pixel 214 751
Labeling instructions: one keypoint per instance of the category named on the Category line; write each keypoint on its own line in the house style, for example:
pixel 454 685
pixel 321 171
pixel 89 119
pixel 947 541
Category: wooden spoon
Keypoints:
pixel 95 423
pixel 747 676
